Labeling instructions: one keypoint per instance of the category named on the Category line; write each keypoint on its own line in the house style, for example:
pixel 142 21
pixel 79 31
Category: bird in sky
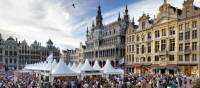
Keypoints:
pixel 73 5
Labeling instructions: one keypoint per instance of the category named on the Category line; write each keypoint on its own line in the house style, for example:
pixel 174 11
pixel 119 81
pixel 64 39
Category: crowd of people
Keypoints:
pixel 129 81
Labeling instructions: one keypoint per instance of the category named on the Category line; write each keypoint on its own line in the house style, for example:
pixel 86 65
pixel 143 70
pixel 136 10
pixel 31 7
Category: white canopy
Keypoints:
pixel 86 66
pixel 50 66
pixel 61 69
pixel 79 67
pixel 73 66
pixel 50 58
pixel 69 65
pixel 40 65
pixel 108 69
pixel 96 66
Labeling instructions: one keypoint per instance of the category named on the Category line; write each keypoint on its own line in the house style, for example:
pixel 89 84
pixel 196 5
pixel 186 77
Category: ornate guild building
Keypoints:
pixel 106 41
pixel 74 55
pixel 15 54
pixel 168 43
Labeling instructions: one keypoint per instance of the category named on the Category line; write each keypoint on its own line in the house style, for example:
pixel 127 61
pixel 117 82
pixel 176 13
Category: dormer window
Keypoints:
pixel 143 25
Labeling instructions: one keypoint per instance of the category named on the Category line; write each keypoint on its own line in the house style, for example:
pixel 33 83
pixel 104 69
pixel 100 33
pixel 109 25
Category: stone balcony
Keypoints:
pixel 163 53
pixel 187 51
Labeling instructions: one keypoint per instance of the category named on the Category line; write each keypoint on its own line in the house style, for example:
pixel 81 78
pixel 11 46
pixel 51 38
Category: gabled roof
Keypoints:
pixel 61 69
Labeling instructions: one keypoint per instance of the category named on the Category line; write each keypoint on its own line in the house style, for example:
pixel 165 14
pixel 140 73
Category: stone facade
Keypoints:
pixel 106 41
pixel 168 43
pixel 14 53
pixel 74 55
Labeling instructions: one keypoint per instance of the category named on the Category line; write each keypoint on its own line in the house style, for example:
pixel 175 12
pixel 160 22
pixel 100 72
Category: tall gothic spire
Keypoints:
pixel 126 10
pixel 99 17
pixel 119 17
pixel 126 16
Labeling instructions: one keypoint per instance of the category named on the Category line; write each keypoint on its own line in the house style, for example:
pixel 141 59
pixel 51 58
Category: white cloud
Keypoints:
pixel 42 19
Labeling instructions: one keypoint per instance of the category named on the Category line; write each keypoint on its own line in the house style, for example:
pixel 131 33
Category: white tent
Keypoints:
pixel 50 58
pixel 61 69
pixel 79 67
pixel 96 66
pixel 50 66
pixel 73 67
pixel 108 69
pixel 86 66
pixel 40 65
pixel 87 69
pixel 69 65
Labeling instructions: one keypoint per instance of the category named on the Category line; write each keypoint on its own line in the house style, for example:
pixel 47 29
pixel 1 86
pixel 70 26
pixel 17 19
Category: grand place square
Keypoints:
pixel 100 44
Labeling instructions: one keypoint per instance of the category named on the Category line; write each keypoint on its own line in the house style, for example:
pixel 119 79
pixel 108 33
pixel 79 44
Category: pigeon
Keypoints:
pixel 73 5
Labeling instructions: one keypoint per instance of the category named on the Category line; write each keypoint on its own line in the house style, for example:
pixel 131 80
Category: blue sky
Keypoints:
pixel 56 19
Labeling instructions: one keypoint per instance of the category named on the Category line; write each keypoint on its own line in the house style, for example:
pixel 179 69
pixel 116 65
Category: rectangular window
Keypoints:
pixel 132 58
pixel 10 60
pixel 129 48
pixel 194 34
pixel 132 48
pixel 163 32
pixel 187 35
pixel 156 58
pixel 15 61
pixel 171 31
pixel 172 45
pixel 194 24
pixel 137 59
pixel 187 46
pixel 180 57
pixel 194 45
pixel 143 49
pixel 149 35
pixel 143 25
pixel 171 57
pixel 133 38
pixel 187 57
pixel 180 47
pixel 129 38
pixel 163 45
pixel 157 34
pixel 180 27
pixel 129 58
pixel 149 47
pixel 138 38
pixel 137 49
pixel 157 46
pixel 194 57
pixel 180 36
pixel 149 59
pixel 6 53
